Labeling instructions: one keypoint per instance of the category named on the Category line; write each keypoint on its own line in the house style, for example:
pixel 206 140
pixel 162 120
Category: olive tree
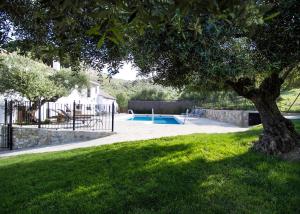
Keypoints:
pixel 36 81
pixel 251 47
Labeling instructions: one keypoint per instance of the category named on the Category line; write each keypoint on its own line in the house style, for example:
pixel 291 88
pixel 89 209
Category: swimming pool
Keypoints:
pixel 157 119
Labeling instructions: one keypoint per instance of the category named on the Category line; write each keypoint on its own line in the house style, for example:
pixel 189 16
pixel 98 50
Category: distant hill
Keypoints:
pixel 125 90
pixel 130 88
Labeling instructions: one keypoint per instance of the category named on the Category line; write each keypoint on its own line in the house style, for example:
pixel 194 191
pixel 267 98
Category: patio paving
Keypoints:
pixel 138 130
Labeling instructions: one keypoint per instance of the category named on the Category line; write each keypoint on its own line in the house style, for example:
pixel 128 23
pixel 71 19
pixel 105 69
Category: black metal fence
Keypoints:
pixel 6 140
pixel 50 115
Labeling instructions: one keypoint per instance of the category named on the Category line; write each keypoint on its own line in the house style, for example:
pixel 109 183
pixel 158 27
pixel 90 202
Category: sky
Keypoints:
pixel 128 72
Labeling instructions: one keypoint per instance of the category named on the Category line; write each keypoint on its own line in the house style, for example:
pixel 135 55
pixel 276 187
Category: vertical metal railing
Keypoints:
pixel 74 115
pixel 5 112
pixel 113 117
pixel 3 126
pixel 39 113
pixel 9 126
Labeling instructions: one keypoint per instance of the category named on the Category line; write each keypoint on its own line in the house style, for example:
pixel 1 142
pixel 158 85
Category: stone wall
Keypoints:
pixel 24 137
pixel 237 117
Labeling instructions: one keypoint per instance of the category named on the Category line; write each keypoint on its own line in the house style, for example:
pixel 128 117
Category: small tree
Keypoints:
pixel 122 101
pixel 36 81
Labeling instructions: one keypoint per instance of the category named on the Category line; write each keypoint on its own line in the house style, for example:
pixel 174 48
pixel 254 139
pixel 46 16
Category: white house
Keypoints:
pixel 91 95
pixel 89 100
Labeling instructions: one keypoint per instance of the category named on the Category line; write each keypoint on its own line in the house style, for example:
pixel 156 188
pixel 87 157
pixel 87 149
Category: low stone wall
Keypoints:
pixel 237 117
pixel 24 137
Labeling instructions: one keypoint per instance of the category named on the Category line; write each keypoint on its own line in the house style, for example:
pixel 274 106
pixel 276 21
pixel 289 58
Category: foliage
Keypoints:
pixel 122 100
pixel 150 94
pixel 227 49
pixel 64 30
pixel 215 41
pixel 249 46
pixel 208 173
pixel 287 98
pixel 228 42
pixel 124 90
pixel 34 80
pixel 230 100
pixel 218 100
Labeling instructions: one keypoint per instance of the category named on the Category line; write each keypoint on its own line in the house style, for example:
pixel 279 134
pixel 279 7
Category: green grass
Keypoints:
pixel 287 98
pixel 199 173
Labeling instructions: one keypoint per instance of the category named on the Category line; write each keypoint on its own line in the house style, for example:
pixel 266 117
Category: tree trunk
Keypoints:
pixel 35 106
pixel 279 135
pixel 31 111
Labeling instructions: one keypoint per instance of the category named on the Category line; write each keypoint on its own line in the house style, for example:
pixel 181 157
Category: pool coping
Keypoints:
pixel 176 117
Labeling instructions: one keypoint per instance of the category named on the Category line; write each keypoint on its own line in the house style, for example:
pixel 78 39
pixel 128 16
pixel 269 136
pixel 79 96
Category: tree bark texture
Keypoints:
pixel 279 134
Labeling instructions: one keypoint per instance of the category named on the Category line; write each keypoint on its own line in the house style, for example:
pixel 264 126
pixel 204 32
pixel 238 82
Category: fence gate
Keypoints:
pixel 5 127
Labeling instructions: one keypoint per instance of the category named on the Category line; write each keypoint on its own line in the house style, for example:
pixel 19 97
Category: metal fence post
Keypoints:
pixel 74 112
pixel 48 110
pixel 113 117
pixel 9 126
pixel 39 113
pixel 5 112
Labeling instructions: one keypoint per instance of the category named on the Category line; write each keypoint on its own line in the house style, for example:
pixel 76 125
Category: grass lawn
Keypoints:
pixel 287 98
pixel 206 173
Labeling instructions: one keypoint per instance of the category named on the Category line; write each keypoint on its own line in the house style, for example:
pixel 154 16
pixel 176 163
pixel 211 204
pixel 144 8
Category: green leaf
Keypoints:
pixel 114 40
pixel 118 35
pixel 94 31
pixel 272 16
pixel 101 41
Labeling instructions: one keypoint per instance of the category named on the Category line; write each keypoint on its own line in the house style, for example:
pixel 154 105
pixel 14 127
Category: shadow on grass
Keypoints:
pixel 148 178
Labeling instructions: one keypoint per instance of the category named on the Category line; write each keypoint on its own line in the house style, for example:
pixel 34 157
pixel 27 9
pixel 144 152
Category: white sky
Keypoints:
pixel 128 72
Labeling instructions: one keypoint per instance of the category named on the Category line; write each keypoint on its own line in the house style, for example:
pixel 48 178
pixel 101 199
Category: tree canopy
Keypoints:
pixel 35 80
pixel 251 47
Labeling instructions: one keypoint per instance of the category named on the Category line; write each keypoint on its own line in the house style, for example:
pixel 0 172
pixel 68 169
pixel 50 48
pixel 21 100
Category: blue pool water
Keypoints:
pixel 157 119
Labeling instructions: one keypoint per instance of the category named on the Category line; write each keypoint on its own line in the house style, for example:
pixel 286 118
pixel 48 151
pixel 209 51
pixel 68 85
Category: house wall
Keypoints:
pixel 80 96
pixel 105 101
pixel 2 113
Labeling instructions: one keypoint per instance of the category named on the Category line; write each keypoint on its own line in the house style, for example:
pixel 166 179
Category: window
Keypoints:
pixel 78 106
pixel 88 92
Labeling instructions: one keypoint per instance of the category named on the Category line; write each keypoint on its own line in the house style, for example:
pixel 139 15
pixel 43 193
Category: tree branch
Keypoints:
pixel 288 70
pixel 270 86
pixel 244 87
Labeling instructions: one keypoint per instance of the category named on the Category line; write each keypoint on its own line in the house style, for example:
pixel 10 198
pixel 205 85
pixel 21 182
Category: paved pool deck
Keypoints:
pixel 126 130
